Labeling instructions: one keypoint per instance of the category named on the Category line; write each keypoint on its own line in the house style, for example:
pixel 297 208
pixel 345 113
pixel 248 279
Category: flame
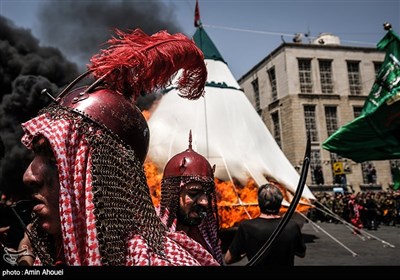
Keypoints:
pixel 235 202
pixel 146 114
pixel 153 181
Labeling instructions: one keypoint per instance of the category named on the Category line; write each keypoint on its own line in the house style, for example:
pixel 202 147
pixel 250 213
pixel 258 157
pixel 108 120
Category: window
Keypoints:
pixel 277 128
pixel 311 126
pixel 377 67
pixel 256 95
pixel 353 72
pixel 317 177
pixel 368 172
pixel 305 76
pixel 357 111
pixel 371 174
pixel 331 119
pixel 272 81
pixel 325 72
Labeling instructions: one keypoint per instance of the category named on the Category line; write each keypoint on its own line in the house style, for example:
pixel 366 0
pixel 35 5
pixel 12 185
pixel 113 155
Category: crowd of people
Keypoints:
pixel 375 208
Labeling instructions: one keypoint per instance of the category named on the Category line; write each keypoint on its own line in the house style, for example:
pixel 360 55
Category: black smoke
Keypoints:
pixel 79 28
pixel 76 30
pixel 25 69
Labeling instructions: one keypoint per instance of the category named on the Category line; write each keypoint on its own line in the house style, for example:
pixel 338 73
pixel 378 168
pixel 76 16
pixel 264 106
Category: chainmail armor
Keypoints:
pixel 123 205
pixel 41 243
pixel 170 192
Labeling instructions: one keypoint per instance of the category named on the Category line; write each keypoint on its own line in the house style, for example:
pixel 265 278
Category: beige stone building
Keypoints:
pixel 316 87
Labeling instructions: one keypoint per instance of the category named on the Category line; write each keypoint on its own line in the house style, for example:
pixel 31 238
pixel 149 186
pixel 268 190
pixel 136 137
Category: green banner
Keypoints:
pixel 375 134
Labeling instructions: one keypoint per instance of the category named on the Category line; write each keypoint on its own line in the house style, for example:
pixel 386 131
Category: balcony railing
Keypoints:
pixel 371 187
pixel 330 188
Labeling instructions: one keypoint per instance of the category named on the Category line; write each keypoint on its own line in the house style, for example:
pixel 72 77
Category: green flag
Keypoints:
pixel 375 134
pixel 396 177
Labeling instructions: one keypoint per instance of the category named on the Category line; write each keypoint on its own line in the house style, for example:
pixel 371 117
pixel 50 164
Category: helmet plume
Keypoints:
pixel 136 63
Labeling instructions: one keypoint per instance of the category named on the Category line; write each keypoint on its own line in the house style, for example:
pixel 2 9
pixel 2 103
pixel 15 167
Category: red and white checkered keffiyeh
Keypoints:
pixel 78 221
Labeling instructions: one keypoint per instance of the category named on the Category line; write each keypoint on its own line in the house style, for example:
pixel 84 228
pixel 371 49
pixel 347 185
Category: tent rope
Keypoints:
pixel 328 234
pixel 335 216
pixel 275 33
pixel 252 176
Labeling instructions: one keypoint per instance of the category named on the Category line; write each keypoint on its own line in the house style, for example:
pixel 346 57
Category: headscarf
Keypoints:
pixel 107 216
pixel 182 169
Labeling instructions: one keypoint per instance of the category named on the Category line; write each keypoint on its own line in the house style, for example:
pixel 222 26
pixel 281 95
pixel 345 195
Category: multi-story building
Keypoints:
pixel 314 88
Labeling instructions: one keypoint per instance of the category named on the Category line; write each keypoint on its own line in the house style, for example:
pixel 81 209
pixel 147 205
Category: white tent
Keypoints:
pixel 226 129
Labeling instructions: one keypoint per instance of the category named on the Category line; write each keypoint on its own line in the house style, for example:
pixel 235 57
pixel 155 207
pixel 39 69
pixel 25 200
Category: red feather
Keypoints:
pixel 135 63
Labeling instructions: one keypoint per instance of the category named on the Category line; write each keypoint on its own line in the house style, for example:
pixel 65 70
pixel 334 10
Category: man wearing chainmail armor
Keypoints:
pixel 188 199
pixel 93 205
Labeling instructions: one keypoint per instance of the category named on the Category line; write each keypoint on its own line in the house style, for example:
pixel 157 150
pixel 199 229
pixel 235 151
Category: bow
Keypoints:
pixel 289 213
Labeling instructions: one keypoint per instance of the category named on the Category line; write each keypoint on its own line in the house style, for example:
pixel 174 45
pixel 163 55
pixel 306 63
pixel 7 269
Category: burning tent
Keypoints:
pixel 226 130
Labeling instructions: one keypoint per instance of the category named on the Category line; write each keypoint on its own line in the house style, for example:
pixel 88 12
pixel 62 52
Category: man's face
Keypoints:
pixel 41 177
pixel 193 204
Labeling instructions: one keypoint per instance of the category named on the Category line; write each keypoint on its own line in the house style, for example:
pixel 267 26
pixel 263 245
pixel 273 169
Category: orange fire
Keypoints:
pixel 146 114
pixel 235 202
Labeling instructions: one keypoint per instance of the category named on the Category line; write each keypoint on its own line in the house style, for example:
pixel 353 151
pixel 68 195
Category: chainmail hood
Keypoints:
pixel 181 169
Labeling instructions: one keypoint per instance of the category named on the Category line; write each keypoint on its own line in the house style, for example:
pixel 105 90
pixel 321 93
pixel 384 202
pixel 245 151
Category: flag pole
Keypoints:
pixel 198 24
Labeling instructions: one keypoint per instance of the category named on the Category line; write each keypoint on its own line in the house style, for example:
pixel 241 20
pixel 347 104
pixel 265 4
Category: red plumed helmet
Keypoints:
pixel 135 64
pixel 188 163
pixel 114 111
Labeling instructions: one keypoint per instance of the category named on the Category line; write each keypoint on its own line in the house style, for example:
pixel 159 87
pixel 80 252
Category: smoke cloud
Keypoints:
pixel 79 28
pixel 75 30
pixel 25 69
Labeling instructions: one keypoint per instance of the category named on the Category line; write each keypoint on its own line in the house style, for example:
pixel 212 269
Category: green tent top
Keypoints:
pixel 208 48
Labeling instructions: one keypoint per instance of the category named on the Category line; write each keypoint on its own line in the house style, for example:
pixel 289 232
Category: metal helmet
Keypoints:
pixel 115 112
pixel 134 64
pixel 189 166
pixel 188 163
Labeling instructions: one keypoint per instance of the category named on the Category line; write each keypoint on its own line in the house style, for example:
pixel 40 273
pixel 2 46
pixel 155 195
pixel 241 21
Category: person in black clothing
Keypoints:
pixel 318 175
pixel 371 174
pixel 252 234
pixel 371 212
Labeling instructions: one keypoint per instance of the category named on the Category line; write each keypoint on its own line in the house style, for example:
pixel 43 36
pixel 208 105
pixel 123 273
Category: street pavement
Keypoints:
pixel 333 251
pixel 330 244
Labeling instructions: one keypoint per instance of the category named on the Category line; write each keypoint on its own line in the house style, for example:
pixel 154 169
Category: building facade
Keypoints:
pixel 313 89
